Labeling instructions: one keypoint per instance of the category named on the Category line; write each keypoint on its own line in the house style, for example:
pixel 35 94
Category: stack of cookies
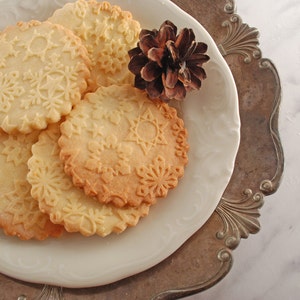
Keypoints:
pixel 81 149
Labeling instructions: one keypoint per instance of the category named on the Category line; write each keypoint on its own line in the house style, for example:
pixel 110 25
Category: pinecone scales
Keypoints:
pixel 166 64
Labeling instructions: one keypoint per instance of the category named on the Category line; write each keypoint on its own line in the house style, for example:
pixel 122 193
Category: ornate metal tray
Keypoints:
pixel 207 256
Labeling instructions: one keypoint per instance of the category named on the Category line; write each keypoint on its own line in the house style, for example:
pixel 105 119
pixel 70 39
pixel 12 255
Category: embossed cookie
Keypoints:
pixel 123 148
pixel 43 73
pixel 67 204
pixel 108 33
pixel 19 212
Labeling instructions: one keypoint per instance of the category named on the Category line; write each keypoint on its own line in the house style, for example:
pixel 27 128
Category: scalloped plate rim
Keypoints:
pixel 46 268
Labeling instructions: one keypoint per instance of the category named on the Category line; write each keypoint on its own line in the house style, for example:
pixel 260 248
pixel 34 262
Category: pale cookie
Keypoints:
pixel 108 33
pixel 66 204
pixel 43 73
pixel 122 147
pixel 19 212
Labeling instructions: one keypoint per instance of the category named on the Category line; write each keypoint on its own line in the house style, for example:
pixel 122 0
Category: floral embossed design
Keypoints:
pixel 126 29
pixel 76 211
pixel 182 146
pixel 47 180
pixel 17 148
pixel 180 133
pixel 51 86
pixel 112 110
pixel 9 89
pixel 95 130
pixel 81 218
pixel 22 207
pixel 103 29
pixel 109 158
pixel 168 113
pixel 80 8
pixel 70 45
pixel 83 31
pixel 38 45
pixel 77 125
pixel 147 131
pixel 7 49
pixel 52 77
pixel 157 178
pixel 21 189
pixel 107 33
pixel 113 56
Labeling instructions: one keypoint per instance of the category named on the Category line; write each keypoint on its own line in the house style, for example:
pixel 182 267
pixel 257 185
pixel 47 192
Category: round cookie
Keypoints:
pixel 123 148
pixel 108 33
pixel 19 212
pixel 66 204
pixel 43 73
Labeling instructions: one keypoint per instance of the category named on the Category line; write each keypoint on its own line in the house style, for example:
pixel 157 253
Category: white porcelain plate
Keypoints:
pixel 212 119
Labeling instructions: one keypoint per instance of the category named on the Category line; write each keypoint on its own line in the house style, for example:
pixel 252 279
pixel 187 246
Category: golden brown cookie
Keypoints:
pixel 43 73
pixel 66 204
pixel 19 212
pixel 122 147
pixel 108 33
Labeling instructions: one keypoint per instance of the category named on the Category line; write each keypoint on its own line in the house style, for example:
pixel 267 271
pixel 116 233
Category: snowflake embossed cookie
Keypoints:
pixel 123 148
pixel 86 94
pixel 19 212
pixel 66 204
pixel 108 32
pixel 43 72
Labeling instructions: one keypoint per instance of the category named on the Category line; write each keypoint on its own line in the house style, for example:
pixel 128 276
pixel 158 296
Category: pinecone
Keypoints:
pixel 168 65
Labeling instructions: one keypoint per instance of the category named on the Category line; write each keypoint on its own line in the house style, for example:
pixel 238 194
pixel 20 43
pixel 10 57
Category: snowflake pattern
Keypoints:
pixel 53 75
pixel 17 148
pixel 38 46
pixel 51 86
pixel 76 124
pixel 70 45
pixel 80 9
pixel 73 207
pixel 78 212
pixel 78 217
pixel 47 180
pixel 157 178
pixel 107 33
pixel 167 111
pixel 147 131
pixel 83 31
pixel 102 29
pixel 23 208
pixel 113 56
pixel 125 29
pixel 109 158
pixel 112 110
pixel 9 89
pixel 95 130
pixel 180 133
pixel 7 49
